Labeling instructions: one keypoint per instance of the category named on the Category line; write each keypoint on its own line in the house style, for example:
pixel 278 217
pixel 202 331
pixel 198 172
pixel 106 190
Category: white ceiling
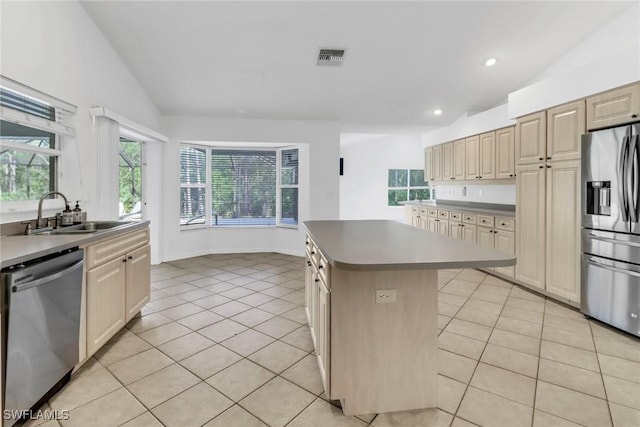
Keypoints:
pixel 403 59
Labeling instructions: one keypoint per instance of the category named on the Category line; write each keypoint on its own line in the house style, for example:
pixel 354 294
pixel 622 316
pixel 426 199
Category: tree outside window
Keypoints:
pixel 407 184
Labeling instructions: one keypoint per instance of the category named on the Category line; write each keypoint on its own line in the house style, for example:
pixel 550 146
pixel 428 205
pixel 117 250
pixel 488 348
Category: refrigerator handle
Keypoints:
pixel 622 179
pixel 612 268
pixel 633 170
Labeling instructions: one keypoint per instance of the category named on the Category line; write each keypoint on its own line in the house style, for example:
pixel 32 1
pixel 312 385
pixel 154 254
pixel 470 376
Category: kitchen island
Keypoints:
pixel 371 298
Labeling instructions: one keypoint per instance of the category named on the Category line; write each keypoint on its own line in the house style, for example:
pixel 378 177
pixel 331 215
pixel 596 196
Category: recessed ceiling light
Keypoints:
pixel 490 62
pixel 437 112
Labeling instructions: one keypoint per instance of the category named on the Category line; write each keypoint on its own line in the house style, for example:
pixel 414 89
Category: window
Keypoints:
pixel 408 184
pixel 30 130
pixel 225 187
pixel 130 179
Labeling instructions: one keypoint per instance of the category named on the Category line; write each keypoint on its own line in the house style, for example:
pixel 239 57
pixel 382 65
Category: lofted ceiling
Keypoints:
pixel 402 60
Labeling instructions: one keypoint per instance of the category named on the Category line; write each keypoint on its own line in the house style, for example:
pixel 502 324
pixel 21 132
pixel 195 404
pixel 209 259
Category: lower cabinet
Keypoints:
pixel 456 230
pixel 469 233
pixel 318 309
pixel 505 241
pixel 118 284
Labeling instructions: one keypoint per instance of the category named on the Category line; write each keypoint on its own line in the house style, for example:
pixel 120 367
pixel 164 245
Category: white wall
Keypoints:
pixel 56 48
pixel 498 194
pixel 319 186
pixel 608 58
pixel 367 160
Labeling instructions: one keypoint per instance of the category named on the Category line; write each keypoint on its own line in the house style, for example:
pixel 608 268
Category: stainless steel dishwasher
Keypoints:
pixel 42 308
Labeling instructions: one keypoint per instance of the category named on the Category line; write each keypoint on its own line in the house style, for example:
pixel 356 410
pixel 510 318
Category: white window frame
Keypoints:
pixel 207 185
pixel 63 127
pixel 408 187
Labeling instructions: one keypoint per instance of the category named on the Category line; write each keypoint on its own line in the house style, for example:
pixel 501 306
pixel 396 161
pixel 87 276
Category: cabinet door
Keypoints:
pixel 443 227
pixel 455 230
pixel 432 224
pixel 531 138
pixel 565 126
pixel 428 164
pixel 485 237
pixel 415 220
pixel 505 241
pixel 487 158
pixel 459 159
pixel 505 153
pixel 615 107
pixel 105 303
pixel 313 321
pixel 437 163
pixel 308 289
pixel 324 336
pixel 138 281
pixel 563 229
pixel 472 157
pixel 469 233
pixel 447 161
pixel 530 224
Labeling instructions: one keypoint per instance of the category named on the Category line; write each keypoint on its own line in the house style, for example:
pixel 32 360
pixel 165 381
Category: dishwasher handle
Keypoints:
pixel 28 285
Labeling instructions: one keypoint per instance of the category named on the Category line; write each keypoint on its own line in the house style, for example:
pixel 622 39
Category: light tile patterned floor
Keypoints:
pixel 224 342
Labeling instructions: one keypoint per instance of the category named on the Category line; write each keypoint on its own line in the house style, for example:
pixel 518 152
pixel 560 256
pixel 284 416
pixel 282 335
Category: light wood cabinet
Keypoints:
pixel 138 278
pixel 437 163
pixel 472 164
pixel 505 153
pixel 456 230
pixel 459 159
pixel 505 241
pixel 447 161
pixel 614 107
pixel 118 284
pixel 487 156
pixel 432 224
pixel 443 227
pixel 105 303
pixel 565 126
pixel 563 229
pixel 530 224
pixel 469 232
pixel 485 237
pixel 531 138
pixel 324 334
pixel 428 164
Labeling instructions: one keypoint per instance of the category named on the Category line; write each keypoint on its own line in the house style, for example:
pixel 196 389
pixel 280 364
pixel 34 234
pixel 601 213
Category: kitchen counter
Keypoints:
pixel 509 211
pixel 389 245
pixel 17 249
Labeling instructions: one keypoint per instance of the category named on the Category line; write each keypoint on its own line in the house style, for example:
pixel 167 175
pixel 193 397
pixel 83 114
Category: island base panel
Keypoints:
pixel 384 355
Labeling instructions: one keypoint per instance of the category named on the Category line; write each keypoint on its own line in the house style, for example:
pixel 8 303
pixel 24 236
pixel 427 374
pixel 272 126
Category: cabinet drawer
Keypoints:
pixel 508 224
pixel 414 210
pixel 455 216
pixel 432 212
pixel 469 218
pixel 103 252
pixel 423 211
pixel 323 270
pixel 443 214
pixel 485 221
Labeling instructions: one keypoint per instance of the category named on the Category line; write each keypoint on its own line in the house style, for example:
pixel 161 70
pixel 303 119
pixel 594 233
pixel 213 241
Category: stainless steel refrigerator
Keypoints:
pixel 610 283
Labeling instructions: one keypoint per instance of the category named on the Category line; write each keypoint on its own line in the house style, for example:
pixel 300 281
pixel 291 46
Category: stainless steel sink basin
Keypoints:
pixel 84 228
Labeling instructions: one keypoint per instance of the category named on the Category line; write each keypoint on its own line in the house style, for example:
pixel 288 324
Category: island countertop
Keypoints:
pixel 389 245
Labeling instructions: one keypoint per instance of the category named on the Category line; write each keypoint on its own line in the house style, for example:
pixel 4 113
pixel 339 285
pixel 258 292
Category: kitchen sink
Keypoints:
pixel 84 228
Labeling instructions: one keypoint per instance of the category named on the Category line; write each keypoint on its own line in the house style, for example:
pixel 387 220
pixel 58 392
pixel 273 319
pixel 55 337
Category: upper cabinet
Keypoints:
pixel 437 163
pixel 428 164
pixel 459 159
pixel 614 107
pixel 565 126
pixel 473 162
pixel 531 138
pixel 447 161
pixel 505 153
pixel 487 156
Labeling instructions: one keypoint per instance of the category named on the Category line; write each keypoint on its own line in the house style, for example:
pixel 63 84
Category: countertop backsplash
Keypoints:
pixel 496 194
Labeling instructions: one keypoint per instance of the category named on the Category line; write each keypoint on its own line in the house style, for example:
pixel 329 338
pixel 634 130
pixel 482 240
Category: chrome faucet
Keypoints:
pixel 44 196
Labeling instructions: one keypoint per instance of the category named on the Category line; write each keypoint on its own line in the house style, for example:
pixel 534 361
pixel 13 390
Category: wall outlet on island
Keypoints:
pixel 384 296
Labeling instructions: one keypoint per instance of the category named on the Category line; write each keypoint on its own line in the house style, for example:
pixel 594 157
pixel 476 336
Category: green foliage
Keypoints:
pixel 130 174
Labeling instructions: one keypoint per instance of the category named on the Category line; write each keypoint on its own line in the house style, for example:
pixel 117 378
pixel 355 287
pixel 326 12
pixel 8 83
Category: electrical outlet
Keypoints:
pixel 464 191
pixel 384 296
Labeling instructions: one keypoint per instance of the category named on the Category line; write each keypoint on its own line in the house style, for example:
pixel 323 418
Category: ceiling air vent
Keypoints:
pixel 330 56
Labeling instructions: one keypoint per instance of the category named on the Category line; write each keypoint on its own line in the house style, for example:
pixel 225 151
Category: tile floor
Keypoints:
pixel 224 342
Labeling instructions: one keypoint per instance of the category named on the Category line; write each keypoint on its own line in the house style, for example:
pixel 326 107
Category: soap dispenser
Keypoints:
pixel 67 216
pixel 77 213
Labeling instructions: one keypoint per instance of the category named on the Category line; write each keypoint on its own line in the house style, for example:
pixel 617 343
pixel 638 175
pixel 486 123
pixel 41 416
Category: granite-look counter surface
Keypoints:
pixel 17 249
pixel 389 245
pixel 509 211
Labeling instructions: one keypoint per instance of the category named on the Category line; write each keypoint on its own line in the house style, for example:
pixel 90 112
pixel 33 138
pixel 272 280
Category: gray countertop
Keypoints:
pixel 388 245
pixel 481 208
pixel 17 249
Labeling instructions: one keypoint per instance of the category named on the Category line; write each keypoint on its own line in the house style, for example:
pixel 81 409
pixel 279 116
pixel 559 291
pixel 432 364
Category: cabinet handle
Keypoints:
pixel 548 166
pixel 316 280
pixel 633 116
pixel 308 263
pixel 129 257
pixel 541 167
pixel 548 158
pixel 502 223
pixel 124 260
pixel 541 158
pixel 510 174
pixel 320 267
pixel 313 252
pixel 496 232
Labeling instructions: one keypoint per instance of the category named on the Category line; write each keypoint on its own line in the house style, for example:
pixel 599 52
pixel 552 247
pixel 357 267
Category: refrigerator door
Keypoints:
pixel 634 179
pixel 618 246
pixel 605 156
pixel 611 292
